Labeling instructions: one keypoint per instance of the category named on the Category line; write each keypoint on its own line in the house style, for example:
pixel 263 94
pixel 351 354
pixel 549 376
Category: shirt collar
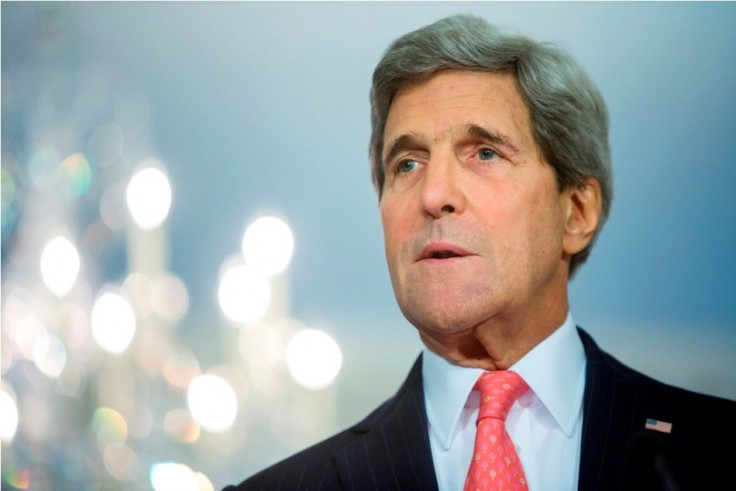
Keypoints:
pixel 554 370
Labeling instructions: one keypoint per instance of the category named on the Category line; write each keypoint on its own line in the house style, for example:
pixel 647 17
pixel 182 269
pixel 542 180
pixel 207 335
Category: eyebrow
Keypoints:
pixel 401 143
pixel 481 133
pixel 475 131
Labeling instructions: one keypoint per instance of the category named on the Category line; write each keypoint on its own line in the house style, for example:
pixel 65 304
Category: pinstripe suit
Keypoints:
pixel 389 449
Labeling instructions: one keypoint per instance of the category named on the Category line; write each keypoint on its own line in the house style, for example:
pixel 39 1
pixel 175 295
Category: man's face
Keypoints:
pixel 474 225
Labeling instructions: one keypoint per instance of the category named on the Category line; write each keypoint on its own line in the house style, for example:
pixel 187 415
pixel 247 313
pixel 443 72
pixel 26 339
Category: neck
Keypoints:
pixel 495 344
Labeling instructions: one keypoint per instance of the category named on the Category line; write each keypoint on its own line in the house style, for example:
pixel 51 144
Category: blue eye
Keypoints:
pixel 406 166
pixel 487 154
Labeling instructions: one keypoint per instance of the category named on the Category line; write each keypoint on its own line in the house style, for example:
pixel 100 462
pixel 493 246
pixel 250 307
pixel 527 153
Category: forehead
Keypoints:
pixel 450 101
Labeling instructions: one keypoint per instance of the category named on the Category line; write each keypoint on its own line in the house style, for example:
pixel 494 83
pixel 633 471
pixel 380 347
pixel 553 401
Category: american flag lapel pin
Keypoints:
pixel 657 425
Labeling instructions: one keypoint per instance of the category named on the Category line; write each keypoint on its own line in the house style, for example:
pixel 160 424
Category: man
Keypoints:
pixel 491 162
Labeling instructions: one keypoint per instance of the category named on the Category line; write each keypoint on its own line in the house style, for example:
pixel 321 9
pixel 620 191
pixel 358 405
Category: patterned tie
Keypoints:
pixel 495 463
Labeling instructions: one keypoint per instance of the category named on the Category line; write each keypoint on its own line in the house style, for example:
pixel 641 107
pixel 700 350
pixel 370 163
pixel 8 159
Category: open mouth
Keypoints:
pixel 443 255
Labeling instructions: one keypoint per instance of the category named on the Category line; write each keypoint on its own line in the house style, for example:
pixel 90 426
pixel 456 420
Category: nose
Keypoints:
pixel 442 193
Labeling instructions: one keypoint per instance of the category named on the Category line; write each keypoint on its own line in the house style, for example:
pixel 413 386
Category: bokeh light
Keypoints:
pixel 180 367
pixel 113 322
pixel 148 197
pixel 172 476
pixel 244 295
pixel 25 330
pixel 110 426
pixel 169 297
pixel 74 175
pixel 314 359
pixel 267 245
pixel 49 354
pixel 203 482
pixel 163 294
pixel 9 410
pixel 180 427
pixel 261 344
pixel 18 478
pixel 121 462
pixel 59 265
pixel 137 287
pixel 212 402
pixel 73 320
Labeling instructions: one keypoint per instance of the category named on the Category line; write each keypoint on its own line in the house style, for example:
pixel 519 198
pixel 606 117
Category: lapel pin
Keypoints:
pixel 656 425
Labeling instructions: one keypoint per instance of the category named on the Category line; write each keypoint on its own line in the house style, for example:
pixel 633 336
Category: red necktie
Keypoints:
pixel 495 464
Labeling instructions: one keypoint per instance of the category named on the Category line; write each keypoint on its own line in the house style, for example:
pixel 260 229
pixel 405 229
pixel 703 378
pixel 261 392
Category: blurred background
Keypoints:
pixel 193 279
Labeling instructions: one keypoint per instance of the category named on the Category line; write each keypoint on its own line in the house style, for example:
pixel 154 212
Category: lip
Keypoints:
pixel 440 251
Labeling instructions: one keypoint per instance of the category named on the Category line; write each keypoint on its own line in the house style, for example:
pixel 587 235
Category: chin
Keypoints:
pixel 435 324
pixel 449 312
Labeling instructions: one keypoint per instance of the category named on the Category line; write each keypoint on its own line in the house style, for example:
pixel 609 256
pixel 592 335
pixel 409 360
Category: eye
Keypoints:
pixel 406 166
pixel 487 154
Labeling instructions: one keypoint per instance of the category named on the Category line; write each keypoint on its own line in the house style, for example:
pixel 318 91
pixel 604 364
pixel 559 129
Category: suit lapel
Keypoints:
pixel 610 415
pixel 617 451
pixel 394 452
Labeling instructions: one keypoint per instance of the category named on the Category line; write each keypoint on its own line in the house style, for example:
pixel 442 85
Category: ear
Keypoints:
pixel 583 215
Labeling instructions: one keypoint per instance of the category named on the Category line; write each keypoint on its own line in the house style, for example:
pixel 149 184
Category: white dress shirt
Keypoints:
pixel 545 423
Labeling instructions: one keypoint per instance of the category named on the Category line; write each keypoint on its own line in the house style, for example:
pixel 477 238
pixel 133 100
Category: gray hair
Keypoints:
pixel 568 116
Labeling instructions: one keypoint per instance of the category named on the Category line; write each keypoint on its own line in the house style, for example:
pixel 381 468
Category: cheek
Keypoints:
pixel 503 213
pixel 390 222
pixel 393 212
pixel 545 233
pixel 523 222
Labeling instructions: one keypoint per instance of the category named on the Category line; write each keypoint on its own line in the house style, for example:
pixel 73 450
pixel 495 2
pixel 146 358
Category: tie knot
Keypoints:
pixel 498 391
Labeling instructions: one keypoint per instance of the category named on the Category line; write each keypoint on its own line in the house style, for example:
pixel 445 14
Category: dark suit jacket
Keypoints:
pixel 389 449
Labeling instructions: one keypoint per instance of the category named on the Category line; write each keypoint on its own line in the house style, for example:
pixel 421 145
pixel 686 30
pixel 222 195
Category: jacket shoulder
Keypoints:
pixel 639 432
pixel 606 366
pixel 309 469
pixel 316 467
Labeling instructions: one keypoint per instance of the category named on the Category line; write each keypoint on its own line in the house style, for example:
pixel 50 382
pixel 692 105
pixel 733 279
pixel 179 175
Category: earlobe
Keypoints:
pixel 584 207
